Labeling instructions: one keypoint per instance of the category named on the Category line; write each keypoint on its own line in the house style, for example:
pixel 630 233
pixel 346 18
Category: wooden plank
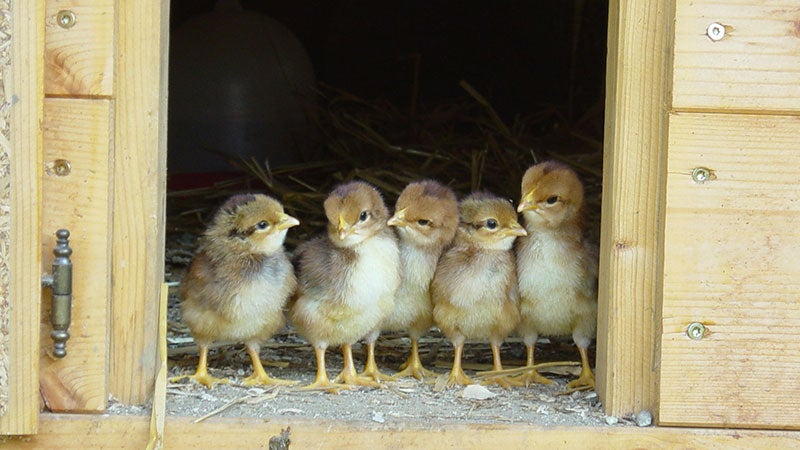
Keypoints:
pixel 754 67
pixel 731 264
pixel 633 192
pixel 131 432
pixel 139 194
pixel 79 59
pixel 22 88
pixel 77 130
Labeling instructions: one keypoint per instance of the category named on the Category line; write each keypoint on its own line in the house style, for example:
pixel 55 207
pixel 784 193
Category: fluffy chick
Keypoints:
pixel 474 289
pixel 426 218
pixel 556 266
pixel 239 281
pixel 347 279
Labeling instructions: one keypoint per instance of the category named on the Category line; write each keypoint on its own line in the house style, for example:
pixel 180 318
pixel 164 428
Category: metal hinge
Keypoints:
pixel 60 283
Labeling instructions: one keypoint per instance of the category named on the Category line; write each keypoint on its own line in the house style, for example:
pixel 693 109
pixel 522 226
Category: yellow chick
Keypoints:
pixel 347 279
pixel 474 288
pixel 426 219
pixel 239 282
pixel 556 266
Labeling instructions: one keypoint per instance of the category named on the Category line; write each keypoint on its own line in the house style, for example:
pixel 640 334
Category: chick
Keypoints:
pixel 474 289
pixel 556 266
pixel 239 282
pixel 426 218
pixel 347 279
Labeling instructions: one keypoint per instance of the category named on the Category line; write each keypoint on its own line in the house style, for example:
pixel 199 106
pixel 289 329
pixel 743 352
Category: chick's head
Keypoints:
pixel 426 214
pixel 489 221
pixel 552 195
pixel 251 224
pixel 355 212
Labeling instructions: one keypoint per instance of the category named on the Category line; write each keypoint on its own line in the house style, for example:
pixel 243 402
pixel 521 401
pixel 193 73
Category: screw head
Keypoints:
pixel 701 174
pixel 696 331
pixel 62 167
pixel 65 18
pixel 715 31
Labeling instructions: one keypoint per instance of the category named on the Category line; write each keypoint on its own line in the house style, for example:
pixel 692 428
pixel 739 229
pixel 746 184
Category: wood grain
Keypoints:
pixel 77 130
pixel 131 432
pixel 731 263
pixel 23 88
pixel 754 67
pixel 79 60
pixel 633 190
pixel 139 195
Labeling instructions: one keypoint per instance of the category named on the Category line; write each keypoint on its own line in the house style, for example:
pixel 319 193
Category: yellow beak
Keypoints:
pixel 527 203
pixel 398 219
pixel 287 221
pixel 343 228
pixel 515 229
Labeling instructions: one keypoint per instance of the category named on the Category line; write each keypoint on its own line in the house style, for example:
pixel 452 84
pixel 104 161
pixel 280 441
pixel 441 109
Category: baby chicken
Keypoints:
pixel 474 289
pixel 239 281
pixel 426 219
pixel 347 279
pixel 556 266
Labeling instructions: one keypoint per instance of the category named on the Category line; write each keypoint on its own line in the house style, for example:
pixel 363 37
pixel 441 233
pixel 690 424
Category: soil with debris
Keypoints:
pixel 289 357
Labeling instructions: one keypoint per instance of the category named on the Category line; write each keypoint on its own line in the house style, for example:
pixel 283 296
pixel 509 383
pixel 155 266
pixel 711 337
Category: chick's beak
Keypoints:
pixel 287 221
pixel 343 228
pixel 515 229
pixel 527 203
pixel 398 219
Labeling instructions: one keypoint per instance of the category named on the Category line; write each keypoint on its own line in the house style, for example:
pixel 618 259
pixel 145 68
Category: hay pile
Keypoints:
pixel 462 143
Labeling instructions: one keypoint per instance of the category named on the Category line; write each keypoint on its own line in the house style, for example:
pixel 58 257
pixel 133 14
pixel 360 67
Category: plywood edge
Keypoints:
pixel 120 432
pixel 24 91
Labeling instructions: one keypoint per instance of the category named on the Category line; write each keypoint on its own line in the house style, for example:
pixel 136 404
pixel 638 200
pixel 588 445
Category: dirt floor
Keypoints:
pixel 289 357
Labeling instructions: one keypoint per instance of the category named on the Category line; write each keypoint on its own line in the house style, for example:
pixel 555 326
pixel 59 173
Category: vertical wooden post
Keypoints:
pixel 24 94
pixel 639 42
pixel 140 93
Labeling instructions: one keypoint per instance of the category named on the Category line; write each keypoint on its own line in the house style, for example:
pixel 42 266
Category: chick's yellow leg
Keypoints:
pixel 371 367
pixel 457 375
pixel 259 375
pixel 322 381
pixel 201 375
pixel 532 376
pixel 413 367
pixel 500 380
pixel 348 376
pixel 586 379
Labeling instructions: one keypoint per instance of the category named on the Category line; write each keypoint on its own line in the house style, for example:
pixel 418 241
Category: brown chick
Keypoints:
pixel 239 282
pixel 426 219
pixel 474 289
pixel 347 279
pixel 556 266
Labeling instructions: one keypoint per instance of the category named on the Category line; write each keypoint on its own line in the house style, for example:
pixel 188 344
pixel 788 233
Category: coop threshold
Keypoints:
pixel 118 432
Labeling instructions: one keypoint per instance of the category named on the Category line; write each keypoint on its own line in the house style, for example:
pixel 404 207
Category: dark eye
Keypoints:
pixel 363 216
pixel 423 222
pixel 552 199
pixel 491 224
pixel 262 225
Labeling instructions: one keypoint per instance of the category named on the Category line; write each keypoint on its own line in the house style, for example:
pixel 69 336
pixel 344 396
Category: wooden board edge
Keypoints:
pixel 25 91
pixel 121 432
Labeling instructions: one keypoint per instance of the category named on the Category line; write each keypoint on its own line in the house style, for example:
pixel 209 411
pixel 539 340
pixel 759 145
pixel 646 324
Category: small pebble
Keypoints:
pixel 477 392
pixel 611 420
pixel 377 416
pixel 644 418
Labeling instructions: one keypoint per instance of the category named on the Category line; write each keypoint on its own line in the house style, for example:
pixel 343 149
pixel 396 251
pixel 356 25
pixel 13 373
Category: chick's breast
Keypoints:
pixel 345 292
pixel 474 294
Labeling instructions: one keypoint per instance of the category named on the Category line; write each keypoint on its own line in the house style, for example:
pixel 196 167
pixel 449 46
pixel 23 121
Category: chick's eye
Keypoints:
pixel 262 225
pixel 491 224
pixel 363 216
pixel 423 222
pixel 552 199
